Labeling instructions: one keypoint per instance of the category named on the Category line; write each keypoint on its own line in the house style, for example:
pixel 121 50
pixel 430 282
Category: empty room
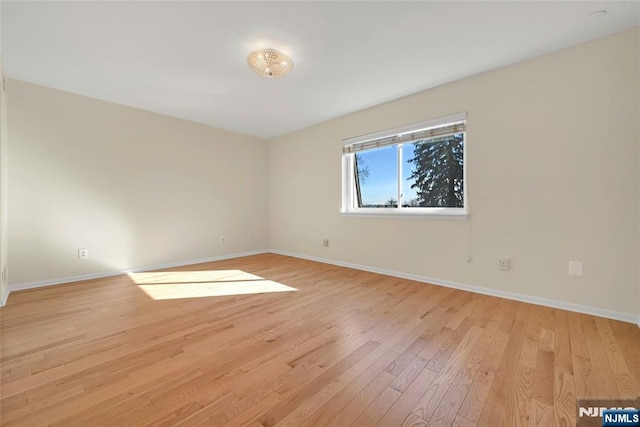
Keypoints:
pixel 299 213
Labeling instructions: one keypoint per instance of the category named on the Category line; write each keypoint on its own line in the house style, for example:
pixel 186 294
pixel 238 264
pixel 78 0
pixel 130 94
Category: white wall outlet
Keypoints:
pixel 325 242
pixel 83 253
pixel 575 268
pixel 223 239
pixel 504 264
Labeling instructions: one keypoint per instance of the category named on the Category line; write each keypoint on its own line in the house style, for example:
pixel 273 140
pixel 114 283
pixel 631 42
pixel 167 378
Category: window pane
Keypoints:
pixel 377 178
pixel 433 172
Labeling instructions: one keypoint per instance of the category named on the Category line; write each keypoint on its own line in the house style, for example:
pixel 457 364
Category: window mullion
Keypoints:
pixel 353 203
pixel 400 195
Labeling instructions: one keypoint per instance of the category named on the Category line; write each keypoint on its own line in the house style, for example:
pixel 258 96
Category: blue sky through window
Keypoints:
pixel 382 182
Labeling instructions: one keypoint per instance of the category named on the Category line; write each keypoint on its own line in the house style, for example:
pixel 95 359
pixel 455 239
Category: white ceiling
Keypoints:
pixel 188 59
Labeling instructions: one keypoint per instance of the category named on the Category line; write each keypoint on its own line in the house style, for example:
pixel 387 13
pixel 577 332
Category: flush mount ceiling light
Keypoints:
pixel 269 63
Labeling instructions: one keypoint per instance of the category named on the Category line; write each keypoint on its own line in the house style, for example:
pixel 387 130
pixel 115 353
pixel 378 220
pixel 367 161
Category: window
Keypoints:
pixel 417 169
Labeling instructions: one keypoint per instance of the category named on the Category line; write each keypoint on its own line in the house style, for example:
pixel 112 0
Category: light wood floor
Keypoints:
pixel 345 348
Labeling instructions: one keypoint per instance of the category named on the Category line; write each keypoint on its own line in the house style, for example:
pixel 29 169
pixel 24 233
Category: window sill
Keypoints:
pixel 396 213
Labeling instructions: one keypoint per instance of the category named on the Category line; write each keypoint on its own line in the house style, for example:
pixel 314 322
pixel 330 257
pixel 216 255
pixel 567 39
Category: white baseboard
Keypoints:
pixel 4 296
pixel 59 281
pixel 595 311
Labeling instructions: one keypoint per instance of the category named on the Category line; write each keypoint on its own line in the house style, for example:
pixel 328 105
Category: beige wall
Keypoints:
pixel 3 188
pixel 135 188
pixel 552 175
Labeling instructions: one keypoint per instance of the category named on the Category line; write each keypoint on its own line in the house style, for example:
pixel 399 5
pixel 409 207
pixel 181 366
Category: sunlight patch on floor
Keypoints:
pixel 161 285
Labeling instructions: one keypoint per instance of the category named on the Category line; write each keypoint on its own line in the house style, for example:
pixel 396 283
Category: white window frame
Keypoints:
pixel 349 203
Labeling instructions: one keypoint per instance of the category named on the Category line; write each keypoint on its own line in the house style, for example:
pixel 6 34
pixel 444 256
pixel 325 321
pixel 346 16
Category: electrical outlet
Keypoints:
pixel 325 242
pixel 83 253
pixel 504 264
pixel 223 240
pixel 575 268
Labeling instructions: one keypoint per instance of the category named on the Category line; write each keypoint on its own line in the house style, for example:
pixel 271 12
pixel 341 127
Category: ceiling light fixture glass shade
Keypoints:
pixel 269 63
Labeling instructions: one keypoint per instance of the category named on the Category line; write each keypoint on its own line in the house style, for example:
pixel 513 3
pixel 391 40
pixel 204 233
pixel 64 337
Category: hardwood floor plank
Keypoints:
pixel 519 401
pixel 313 403
pixel 604 379
pixel 201 417
pixel 576 333
pixel 376 410
pixel 251 415
pixel 408 374
pixel 413 421
pixel 462 422
pixel 356 406
pixel 276 414
pixel 544 378
pixel 341 347
pixel 365 387
pixel 474 401
pixel 628 385
pixel 493 410
pixel 403 406
pixel 583 376
pixel 627 335
pixel 564 411
pixel 432 397
pixel 450 405
pixel 540 414
pixel 437 362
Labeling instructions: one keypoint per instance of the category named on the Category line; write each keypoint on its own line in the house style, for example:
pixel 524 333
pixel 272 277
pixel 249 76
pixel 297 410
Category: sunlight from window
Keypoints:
pixel 161 285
